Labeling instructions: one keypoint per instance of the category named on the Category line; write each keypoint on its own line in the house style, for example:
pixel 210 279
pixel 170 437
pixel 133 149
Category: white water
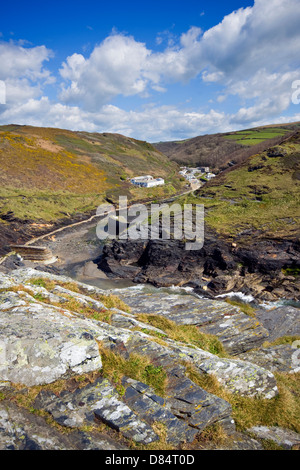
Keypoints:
pixel 268 305
pixel 245 298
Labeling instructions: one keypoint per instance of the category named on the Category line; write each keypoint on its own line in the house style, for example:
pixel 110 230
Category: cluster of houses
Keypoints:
pixel 147 181
pixel 196 175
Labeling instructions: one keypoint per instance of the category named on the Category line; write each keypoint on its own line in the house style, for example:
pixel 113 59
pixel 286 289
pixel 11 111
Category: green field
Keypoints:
pixel 256 136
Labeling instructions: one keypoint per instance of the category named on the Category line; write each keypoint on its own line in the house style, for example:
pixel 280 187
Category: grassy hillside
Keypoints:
pixel 52 173
pixel 218 150
pixel 258 197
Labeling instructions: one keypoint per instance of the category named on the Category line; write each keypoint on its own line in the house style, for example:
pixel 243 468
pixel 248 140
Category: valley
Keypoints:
pixel 184 350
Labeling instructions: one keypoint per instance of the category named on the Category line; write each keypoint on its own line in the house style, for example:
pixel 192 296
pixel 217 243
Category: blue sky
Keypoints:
pixel 153 70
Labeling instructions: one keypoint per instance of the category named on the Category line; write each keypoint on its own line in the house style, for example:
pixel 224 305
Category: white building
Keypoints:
pixel 147 181
pixel 140 179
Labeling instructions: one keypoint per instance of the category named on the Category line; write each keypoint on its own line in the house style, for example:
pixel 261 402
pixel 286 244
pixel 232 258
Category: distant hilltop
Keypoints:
pixel 218 151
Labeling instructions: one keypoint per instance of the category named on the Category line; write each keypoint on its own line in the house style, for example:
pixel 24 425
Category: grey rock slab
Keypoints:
pixel 100 400
pixel 40 343
pixel 281 321
pixel 198 407
pixel 6 282
pixel 282 437
pixel 152 408
pixel 237 376
pixel 282 358
pixel 183 309
pixel 237 331
pixel 9 300
pixel 21 430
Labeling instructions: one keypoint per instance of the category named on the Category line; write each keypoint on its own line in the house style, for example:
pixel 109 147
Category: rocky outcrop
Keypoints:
pixel 284 438
pixel 261 268
pixel 42 343
pixel 44 340
pixel 22 430
pixel 280 321
pixel 237 331
pixel 283 358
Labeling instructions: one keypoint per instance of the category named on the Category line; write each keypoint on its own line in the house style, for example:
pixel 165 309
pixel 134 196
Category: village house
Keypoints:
pixel 147 181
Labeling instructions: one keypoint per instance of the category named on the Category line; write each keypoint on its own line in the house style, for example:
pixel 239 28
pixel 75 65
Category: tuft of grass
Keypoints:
pixel 115 367
pixel 189 334
pixel 110 300
pixel 244 307
pixel 281 340
pixel 212 435
pixel 292 271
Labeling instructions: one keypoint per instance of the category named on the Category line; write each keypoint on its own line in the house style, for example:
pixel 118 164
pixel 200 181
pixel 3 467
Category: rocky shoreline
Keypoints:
pixel 59 332
pixel 265 269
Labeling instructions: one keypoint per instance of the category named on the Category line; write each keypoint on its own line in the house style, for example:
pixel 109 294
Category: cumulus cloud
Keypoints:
pixel 170 122
pixel 249 44
pixel 251 55
pixel 114 67
pixel 17 61
pixel 22 70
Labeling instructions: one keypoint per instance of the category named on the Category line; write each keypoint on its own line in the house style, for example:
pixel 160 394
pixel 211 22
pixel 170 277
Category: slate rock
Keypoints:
pixel 21 430
pixel 285 438
pixel 152 408
pixel 40 343
pixel 280 321
pixel 236 331
pixel 282 358
pixel 98 400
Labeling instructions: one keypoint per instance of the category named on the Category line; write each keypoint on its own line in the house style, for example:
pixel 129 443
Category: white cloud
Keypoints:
pixel 114 67
pixel 153 123
pixel 19 61
pixel 252 55
pixel 263 37
pixel 22 70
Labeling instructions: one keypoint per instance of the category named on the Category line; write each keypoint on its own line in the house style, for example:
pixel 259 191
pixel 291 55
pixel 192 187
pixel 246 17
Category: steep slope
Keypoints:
pixel 259 197
pixel 219 150
pixel 48 175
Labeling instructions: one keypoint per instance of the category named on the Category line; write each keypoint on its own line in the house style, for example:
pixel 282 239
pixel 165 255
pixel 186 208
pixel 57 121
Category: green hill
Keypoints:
pixel 58 165
pixel 259 197
pixel 219 150
pixel 48 175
